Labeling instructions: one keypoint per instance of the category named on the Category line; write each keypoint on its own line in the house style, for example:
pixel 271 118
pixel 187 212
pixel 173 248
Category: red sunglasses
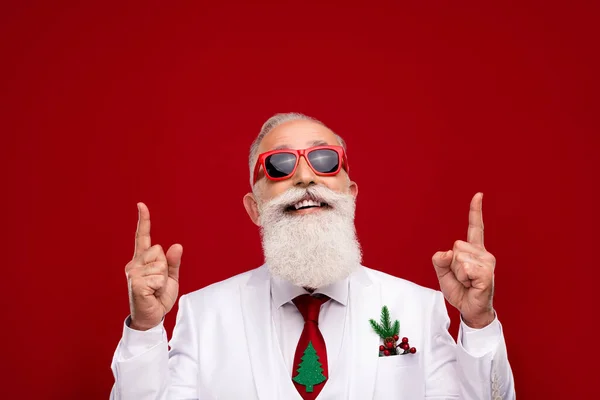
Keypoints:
pixel 282 164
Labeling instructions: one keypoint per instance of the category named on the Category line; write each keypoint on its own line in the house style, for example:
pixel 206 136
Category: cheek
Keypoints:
pixel 271 190
pixel 339 183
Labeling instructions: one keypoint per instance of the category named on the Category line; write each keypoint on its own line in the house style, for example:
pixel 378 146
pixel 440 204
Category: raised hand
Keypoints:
pixel 152 276
pixel 466 273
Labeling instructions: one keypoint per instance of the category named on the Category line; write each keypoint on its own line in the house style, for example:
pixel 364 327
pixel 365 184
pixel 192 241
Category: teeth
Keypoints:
pixel 307 203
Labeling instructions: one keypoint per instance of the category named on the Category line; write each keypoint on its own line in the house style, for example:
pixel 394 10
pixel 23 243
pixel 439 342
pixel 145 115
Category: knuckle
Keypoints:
pixel 156 282
pixel 150 280
pixel 456 266
pixel 129 266
pixel 161 265
pixel 470 269
pixel 132 273
pixel 141 237
pixel 147 284
pixel 458 244
pixel 136 263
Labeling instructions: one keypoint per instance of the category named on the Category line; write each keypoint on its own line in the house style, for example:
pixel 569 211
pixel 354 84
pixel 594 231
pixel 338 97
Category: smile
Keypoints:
pixel 305 205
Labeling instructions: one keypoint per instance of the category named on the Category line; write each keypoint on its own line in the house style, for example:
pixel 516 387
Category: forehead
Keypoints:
pixel 297 135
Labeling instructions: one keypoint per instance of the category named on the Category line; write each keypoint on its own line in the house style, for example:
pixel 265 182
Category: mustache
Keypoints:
pixel 316 192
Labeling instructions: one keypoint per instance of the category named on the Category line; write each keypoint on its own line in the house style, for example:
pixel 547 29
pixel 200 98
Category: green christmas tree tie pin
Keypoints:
pixel 389 333
pixel 310 371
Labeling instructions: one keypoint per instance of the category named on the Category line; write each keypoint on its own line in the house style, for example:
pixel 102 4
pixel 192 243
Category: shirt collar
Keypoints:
pixel 283 291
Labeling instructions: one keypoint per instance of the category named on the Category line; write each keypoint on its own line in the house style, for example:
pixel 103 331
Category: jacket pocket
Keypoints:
pixel 399 377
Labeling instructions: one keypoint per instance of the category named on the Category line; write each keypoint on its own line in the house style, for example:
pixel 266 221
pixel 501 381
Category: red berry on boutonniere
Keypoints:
pixel 381 348
pixel 390 345
pixel 396 338
pixel 404 340
pixel 386 352
pixel 413 350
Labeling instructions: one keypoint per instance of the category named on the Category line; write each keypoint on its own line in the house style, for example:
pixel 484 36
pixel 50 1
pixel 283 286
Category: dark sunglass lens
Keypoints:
pixel 324 160
pixel 280 165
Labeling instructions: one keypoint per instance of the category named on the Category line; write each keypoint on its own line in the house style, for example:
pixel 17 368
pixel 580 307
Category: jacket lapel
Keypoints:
pixel 365 303
pixel 256 308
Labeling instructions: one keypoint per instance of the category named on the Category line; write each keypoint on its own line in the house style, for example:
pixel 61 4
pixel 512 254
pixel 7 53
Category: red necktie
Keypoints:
pixel 309 373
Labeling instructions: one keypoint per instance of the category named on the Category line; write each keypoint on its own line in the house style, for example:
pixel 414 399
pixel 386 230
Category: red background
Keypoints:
pixel 106 105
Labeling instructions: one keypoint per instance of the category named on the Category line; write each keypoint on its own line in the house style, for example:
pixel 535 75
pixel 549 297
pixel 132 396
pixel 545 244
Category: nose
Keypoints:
pixel 304 175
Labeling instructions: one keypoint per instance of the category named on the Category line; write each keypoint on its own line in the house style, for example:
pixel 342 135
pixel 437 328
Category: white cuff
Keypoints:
pixel 134 342
pixel 478 342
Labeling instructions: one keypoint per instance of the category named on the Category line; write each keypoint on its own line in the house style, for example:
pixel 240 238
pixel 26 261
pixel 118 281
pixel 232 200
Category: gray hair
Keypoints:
pixel 274 122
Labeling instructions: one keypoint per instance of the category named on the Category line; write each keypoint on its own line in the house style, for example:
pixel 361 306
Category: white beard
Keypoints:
pixel 315 249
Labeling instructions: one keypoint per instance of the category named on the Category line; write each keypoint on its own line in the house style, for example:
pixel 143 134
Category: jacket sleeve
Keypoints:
pixel 482 362
pixel 146 368
pixel 478 363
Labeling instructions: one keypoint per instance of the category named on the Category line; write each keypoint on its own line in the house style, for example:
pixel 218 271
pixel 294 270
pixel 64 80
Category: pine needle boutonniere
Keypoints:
pixel 389 332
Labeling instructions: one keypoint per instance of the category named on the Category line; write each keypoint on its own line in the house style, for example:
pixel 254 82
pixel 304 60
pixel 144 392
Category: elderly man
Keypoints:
pixel 312 322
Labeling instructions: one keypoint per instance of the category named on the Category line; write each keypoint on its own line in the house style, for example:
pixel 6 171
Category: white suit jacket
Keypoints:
pixel 224 347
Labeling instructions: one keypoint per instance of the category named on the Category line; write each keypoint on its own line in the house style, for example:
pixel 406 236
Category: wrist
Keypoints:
pixel 141 325
pixel 479 321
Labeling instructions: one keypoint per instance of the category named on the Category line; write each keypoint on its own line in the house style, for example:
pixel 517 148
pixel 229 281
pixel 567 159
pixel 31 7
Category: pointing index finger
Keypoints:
pixel 142 234
pixel 475 231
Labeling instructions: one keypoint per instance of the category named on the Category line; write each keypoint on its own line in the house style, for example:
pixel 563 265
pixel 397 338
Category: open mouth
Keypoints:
pixel 306 204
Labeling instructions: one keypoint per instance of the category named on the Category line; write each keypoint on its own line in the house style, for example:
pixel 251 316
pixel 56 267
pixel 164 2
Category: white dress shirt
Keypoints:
pixel 289 322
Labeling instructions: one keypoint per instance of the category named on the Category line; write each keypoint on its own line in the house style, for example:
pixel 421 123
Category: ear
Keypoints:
pixel 353 188
pixel 251 207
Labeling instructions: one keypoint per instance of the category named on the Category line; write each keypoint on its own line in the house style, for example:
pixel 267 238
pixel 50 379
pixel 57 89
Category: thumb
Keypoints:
pixel 442 261
pixel 174 260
